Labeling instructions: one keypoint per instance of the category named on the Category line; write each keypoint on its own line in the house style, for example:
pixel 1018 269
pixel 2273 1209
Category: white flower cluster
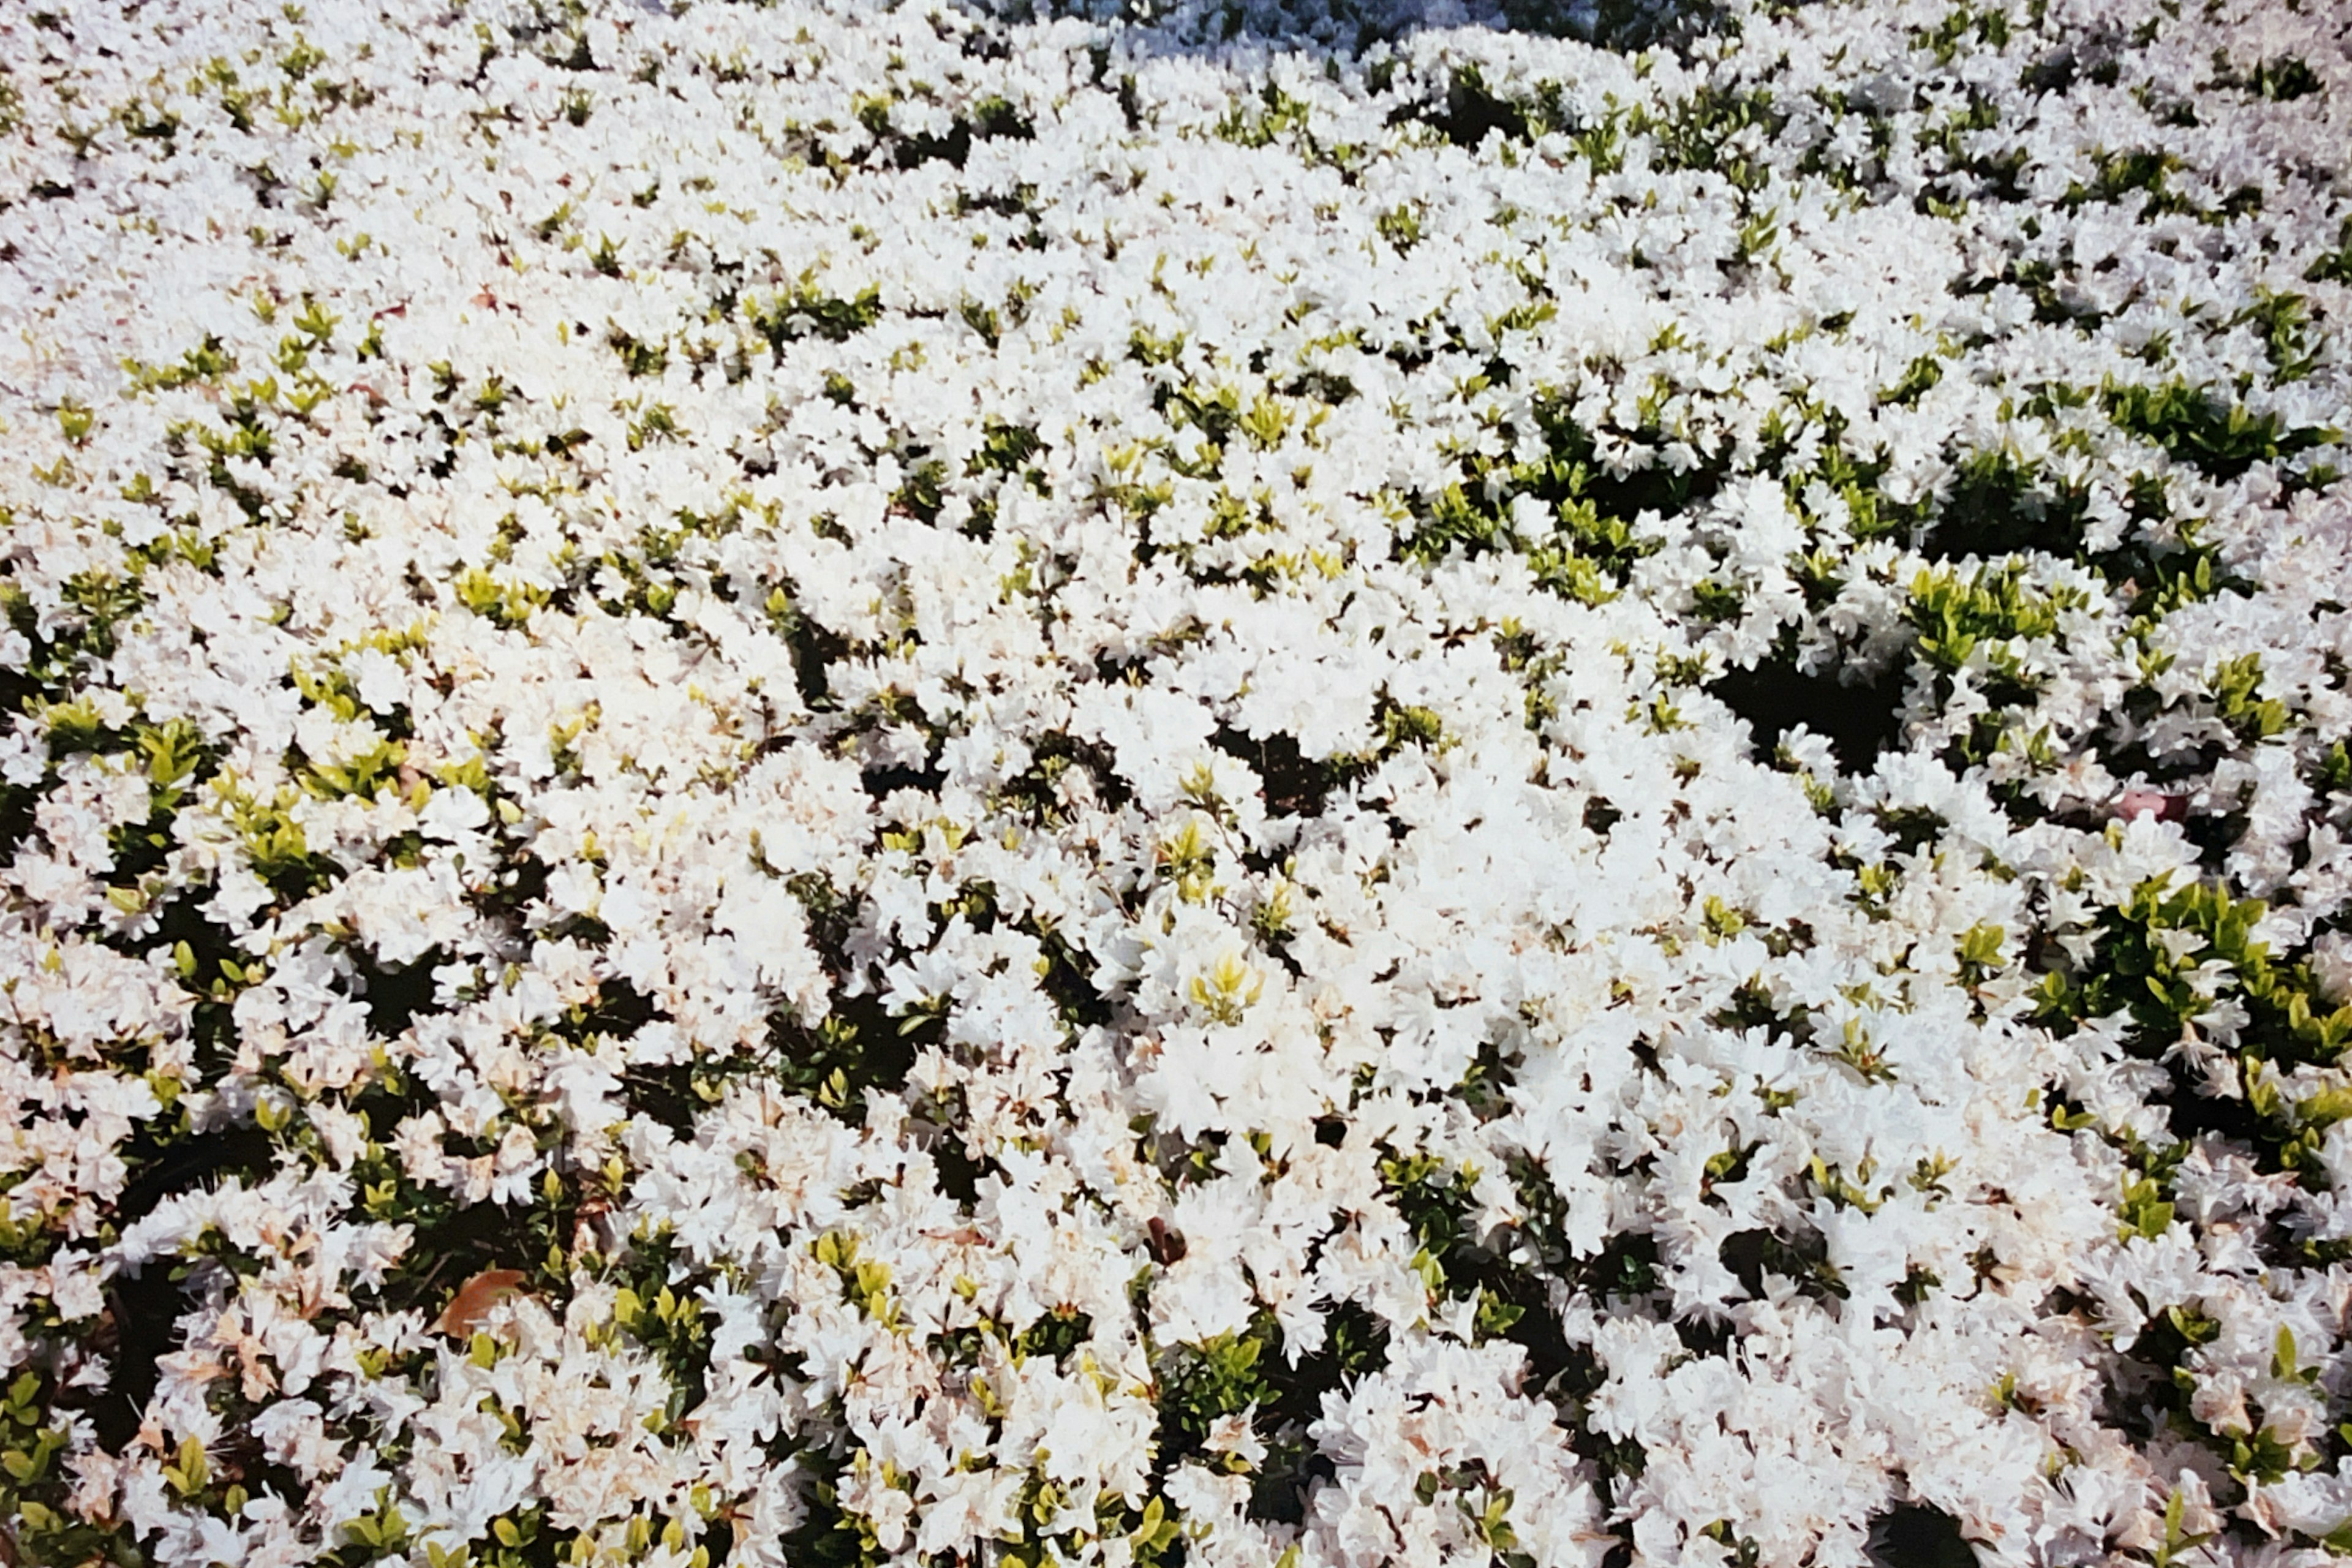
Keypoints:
pixel 1280 786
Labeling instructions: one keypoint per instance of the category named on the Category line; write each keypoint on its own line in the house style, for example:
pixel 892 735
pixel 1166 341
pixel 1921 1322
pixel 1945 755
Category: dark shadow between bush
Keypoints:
pixel 1859 721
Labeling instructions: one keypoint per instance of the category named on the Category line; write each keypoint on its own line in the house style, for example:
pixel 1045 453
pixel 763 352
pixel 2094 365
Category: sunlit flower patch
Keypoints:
pixel 1245 786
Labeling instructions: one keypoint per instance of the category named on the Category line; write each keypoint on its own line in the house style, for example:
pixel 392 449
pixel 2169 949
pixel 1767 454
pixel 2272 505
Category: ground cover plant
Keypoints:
pixel 1259 784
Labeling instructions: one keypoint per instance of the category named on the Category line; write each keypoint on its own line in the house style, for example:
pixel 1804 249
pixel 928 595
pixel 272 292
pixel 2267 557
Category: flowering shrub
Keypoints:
pixel 1274 787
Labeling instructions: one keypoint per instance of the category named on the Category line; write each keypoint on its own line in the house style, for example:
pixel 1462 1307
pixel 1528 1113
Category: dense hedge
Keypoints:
pixel 1272 786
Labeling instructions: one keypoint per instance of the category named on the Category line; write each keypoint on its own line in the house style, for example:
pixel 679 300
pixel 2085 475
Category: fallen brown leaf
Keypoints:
pixel 472 1303
pixel 1167 1243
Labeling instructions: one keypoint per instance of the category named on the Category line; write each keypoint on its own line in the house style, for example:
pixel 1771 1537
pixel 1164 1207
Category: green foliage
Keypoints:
pixel 2236 684
pixel 2146 170
pixel 381 1532
pixel 1273 115
pixel 1963 27
pixel 1433 1198
pixel 2132 968
pixel 2281 320
pixel 1400 226
pixel 1978 953
pixel 804 309
pixel 208 363
pixel 2334 266
pixel 1217 1377
pixel 1695 132
pixel 1921 375
pixel 508 603
pixel 1993 607
pixel 865 1281
pixel 637 358
pixel 103 602
pixel 35 1480
pixel 2281 80
pixel 675 1328
pixel 919 493
pixel 2190 422
pixel 1592 543
pixel 1004 447
pixel 2165 957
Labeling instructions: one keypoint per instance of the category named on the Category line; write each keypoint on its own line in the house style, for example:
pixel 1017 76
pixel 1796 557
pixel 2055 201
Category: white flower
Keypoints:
pixel 992 706
pixel 379 679
pixel 452 814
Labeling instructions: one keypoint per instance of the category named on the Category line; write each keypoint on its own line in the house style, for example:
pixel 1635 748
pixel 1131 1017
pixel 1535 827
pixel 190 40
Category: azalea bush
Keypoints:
pixel 1272 786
